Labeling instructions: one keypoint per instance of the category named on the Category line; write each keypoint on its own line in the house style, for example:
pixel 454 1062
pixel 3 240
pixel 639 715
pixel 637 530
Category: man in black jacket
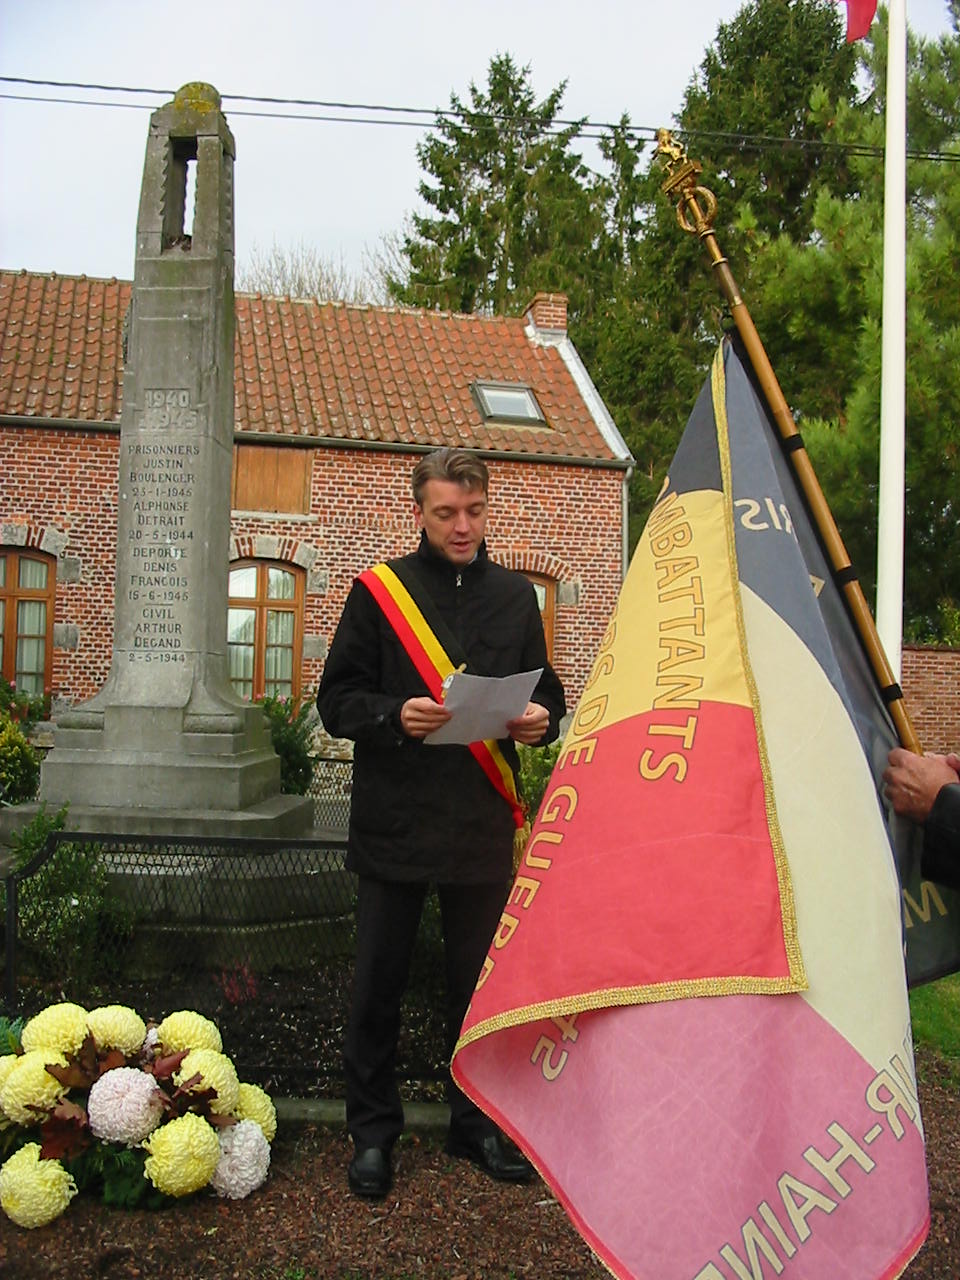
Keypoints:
pixel 927 789
pixel 423 814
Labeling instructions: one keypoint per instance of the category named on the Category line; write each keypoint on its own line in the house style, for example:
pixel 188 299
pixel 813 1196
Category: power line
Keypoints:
pixel 265 115
pixel 427 117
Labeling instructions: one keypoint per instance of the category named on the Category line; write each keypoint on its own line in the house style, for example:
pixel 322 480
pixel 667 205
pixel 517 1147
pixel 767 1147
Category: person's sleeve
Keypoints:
pixel 549 691
pixel 351 701
pixel 941 838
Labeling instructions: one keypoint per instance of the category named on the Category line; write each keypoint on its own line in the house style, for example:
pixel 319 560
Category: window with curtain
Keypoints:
pixel 27 583
pixel 265 628
pixel 546 589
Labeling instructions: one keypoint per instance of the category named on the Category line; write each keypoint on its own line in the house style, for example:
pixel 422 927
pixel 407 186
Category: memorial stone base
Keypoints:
pixel 137 771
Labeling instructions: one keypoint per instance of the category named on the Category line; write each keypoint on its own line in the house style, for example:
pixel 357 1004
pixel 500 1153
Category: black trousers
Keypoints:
pixel 388 916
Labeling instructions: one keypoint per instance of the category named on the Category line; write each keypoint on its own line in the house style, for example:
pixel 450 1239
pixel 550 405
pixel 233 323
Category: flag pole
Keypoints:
pixel 890 522
pixel 696 209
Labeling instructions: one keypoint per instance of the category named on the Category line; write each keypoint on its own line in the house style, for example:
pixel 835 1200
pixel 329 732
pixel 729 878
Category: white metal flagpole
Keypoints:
pixel 890 527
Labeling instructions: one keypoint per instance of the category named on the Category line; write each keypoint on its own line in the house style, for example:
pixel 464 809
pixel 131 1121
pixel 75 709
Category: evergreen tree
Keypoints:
pixel 512 209
pixel 746 111
pixel 818 306
pixel 650 345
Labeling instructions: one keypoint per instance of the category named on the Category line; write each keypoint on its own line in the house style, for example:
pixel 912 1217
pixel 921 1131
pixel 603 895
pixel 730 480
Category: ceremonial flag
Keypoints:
pixel 860 14
pixel 693 1017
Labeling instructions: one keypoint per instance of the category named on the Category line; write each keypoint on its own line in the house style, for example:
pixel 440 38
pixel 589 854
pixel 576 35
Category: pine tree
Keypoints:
pixel 512 210
pixel 818 306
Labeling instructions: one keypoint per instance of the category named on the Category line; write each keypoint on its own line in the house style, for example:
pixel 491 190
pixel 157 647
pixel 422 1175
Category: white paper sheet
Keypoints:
pixel 482 705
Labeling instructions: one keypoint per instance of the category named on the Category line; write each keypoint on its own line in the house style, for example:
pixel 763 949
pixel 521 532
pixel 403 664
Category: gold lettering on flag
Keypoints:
pixel 922 910
pixel 841 1165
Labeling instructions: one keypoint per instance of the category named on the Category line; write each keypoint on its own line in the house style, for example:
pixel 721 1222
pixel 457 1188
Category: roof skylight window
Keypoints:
pixel 508 402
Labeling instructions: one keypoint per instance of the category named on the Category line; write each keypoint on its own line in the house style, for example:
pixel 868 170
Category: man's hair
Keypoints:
pixel 464 468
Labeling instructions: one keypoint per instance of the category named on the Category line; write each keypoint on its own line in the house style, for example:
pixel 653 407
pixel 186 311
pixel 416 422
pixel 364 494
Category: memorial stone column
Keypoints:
pixel 167 744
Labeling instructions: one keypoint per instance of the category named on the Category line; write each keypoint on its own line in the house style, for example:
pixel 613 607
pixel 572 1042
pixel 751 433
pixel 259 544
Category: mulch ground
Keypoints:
pixel 443 1221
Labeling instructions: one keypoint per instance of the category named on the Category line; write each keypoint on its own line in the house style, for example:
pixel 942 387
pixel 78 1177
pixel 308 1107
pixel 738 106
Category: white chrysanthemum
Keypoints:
pixel 188 1030
pixel 30 1085
pixel 216 1072
pixel 244 1160
pixel 114 1026
pixel 124 1105
pixel 61 1028
pixel 254 1104
pixel 33 1191
pixel 150 1043
pixel 182 1155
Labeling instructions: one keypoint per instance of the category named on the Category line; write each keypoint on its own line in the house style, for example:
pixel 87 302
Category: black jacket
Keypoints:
pixel 421 812
pixel 941 838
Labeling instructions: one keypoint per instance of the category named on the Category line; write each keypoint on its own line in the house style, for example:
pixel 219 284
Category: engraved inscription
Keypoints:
pixel 165 409
pixel 160 482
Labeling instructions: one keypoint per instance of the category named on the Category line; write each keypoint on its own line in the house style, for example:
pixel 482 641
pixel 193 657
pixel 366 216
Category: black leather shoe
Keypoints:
pixel 369 1173
pixel 489 1154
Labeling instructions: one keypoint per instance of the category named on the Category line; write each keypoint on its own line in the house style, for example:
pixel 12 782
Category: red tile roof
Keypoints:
pixel 304 368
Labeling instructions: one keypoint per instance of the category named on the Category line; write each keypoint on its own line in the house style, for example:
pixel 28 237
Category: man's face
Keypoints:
pixel 453 518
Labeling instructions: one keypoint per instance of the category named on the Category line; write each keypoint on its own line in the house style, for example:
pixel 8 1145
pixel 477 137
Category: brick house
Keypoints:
pixel 333 405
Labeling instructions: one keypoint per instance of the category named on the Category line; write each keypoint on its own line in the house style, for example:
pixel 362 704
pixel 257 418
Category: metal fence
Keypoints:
pixel 256 934
pixel 330 788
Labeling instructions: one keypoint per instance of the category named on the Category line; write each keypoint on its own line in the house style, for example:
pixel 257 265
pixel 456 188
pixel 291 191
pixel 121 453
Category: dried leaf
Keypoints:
pixel 163 1068
pixel 65 1132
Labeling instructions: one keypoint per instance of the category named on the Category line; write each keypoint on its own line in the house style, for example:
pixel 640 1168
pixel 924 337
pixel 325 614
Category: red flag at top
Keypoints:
pixel 860 14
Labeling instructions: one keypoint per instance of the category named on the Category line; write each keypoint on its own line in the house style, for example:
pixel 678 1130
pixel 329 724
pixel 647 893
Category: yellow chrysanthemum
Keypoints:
pixel 114 1026
pixel 188 1030
pixel 254 1104
pixel 6 1065
pixel 33 1191
pixel 29 1084
pixel 183 1155
pixel 216 1072
pixel 61 1028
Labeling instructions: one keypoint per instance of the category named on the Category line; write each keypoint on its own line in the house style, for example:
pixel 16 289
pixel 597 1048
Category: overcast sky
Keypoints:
pixel 70 175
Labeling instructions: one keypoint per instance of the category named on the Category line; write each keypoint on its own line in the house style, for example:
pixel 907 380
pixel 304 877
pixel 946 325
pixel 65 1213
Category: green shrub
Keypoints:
pixel 942 628
pixel 71 930
pixel 23 708
pixel 291 730
pixel 19 764
pixel 536 765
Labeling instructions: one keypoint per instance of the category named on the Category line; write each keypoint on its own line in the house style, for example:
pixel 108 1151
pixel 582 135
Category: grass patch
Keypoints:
pixel 935 1013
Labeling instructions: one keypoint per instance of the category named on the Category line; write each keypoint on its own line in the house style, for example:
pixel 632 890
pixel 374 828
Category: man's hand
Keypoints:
pixel 531 727
pixel 913 782
pixel 420 716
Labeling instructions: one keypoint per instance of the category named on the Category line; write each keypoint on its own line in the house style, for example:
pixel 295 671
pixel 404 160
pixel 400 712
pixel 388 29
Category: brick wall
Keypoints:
pixel 559 520
pixel 930 681
pixel 58 492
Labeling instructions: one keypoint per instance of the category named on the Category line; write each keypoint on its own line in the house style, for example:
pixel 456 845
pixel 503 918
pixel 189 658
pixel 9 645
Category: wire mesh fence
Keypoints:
pixel 330 787
pixel 256 934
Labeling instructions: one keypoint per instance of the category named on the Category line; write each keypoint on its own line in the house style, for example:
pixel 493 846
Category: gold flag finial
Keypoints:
pixel 696 210
pixel 681 183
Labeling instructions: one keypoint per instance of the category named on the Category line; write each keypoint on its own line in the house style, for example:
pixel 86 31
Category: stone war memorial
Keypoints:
pixel 167 746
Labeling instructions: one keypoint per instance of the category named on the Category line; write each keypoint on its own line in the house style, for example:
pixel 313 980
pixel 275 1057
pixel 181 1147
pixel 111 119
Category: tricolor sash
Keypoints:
pixel 431 658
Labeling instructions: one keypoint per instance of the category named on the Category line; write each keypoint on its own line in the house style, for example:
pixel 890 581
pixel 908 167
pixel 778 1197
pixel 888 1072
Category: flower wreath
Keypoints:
pixel 140 1112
